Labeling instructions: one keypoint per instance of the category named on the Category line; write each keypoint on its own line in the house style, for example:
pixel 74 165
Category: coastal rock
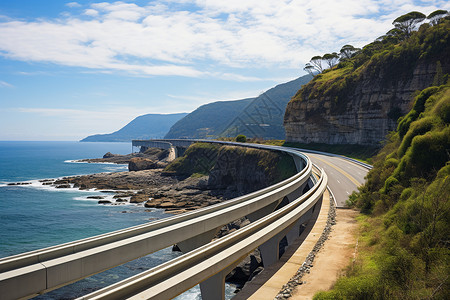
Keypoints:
pixel 63 186
pixel 139 198
pixel 95 197
pixel 109 155
pixel 104 202
pixel 246 269
pixel 138 164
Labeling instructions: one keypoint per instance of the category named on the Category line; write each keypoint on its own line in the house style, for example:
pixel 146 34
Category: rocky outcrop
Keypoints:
pixel 349 105
pixel 138 164
pixel 233 171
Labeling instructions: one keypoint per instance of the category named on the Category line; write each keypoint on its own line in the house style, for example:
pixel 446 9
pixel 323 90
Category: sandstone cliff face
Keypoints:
pixel 367 102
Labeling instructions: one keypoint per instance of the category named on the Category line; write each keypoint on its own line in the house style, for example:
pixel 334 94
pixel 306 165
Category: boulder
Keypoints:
pixel 139 198
pixel 63 186
pixel 138 164
pixel 104 202
pixel 246 269
pixel 109 155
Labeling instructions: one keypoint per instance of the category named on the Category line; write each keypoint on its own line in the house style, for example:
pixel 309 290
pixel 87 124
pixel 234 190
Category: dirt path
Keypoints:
pixel 335 255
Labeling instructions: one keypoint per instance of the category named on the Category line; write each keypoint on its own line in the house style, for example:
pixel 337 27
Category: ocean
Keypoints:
pixel 35 216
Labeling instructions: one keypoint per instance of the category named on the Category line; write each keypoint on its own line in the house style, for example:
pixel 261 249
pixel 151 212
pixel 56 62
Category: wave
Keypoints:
pixel 79 161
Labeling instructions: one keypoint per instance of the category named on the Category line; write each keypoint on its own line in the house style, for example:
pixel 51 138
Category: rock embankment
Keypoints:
pixel 152 158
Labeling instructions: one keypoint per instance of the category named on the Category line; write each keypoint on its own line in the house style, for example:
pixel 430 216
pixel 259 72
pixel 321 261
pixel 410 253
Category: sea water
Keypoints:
pixel 35 216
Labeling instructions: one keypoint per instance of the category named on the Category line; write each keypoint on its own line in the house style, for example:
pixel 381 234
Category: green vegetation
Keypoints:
pixel 403 250
pixel 394 55
pixel 254 117
pixel 359 152
pixel 403 245
pixel 241 138
pixel 201 158
pixel 208 120
pixel 263 117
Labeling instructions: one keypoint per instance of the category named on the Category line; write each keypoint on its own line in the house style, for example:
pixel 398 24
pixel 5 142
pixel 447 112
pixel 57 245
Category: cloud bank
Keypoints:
pixel 200 38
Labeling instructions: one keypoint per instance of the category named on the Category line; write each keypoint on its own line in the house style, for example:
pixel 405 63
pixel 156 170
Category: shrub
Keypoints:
pixel 241 138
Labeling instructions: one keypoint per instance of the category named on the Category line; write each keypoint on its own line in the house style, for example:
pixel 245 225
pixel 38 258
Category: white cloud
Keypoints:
pixel 164 38
pixel 4 84
pixel 91 12
pixel 73 4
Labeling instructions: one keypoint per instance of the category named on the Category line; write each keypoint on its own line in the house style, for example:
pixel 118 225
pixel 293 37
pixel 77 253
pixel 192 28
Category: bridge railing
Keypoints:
pixel 213 261
pixel 40 271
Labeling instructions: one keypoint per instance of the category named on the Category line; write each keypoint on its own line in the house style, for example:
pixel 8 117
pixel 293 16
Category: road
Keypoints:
pixel 344 177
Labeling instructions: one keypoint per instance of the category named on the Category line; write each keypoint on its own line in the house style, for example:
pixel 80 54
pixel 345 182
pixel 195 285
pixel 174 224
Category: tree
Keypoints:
pixel 309 68
pixel 314 65
pixel 347 52
pixel 331 59
pixel 316 62
pixel 436 16
pixel 407 22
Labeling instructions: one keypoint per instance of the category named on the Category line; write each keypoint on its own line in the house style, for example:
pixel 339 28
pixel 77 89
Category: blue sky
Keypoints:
pixel 70 69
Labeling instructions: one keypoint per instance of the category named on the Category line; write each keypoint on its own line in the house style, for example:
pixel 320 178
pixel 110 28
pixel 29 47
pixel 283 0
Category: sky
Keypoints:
pixel 71 69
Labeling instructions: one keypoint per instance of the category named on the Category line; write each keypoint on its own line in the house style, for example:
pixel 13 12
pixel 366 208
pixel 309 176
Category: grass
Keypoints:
pixel 358 152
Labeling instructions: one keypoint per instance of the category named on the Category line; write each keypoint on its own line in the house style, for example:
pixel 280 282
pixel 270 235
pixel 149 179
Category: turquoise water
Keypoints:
pixel 34 216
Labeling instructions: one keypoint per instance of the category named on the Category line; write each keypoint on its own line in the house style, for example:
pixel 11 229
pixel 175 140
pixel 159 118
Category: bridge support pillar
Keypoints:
pixel 197 241
pixel 294 233
pixel 270 251
pixel 213 288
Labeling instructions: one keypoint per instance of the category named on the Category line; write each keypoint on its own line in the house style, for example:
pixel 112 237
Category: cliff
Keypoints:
pixel 360 100
pixel 232 170
pixel 143 127
pixel 403 248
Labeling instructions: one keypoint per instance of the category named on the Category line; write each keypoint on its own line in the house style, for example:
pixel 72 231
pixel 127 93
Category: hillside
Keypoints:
pixel 403 247
pixel 359 100
pixel 263 117
pixel 208 120
pixel 254 117
pixel 143 127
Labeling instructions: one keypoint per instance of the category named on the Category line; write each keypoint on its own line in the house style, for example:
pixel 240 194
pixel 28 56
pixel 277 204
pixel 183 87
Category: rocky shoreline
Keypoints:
pixel 148 184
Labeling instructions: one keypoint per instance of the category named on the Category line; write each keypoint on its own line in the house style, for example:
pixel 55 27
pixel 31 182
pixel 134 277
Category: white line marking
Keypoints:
pixel 338 181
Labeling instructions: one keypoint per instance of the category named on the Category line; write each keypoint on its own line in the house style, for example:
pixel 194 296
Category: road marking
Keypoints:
pixel 340 171
pixel 338 181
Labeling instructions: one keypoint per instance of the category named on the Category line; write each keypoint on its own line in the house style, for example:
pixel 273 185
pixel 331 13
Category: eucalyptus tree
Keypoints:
pixel 347 52
pixel 331 59
pixel 408 22
pixel 436 16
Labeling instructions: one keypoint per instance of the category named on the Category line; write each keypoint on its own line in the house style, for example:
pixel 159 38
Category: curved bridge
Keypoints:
pixel 28 274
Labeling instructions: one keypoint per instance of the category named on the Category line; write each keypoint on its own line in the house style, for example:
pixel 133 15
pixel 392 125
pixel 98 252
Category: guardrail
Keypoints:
pixel 213 259
pixel 40 271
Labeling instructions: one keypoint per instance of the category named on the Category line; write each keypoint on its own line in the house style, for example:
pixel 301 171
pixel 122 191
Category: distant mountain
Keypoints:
pixel 263 117
pixel 143 127
pixel 208 120
pixel 254 117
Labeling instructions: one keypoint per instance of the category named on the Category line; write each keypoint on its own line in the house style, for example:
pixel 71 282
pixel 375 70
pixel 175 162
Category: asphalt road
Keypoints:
pixel 344 176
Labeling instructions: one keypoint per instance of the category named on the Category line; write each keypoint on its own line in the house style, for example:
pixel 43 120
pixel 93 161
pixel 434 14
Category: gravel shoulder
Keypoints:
pixel 333 258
